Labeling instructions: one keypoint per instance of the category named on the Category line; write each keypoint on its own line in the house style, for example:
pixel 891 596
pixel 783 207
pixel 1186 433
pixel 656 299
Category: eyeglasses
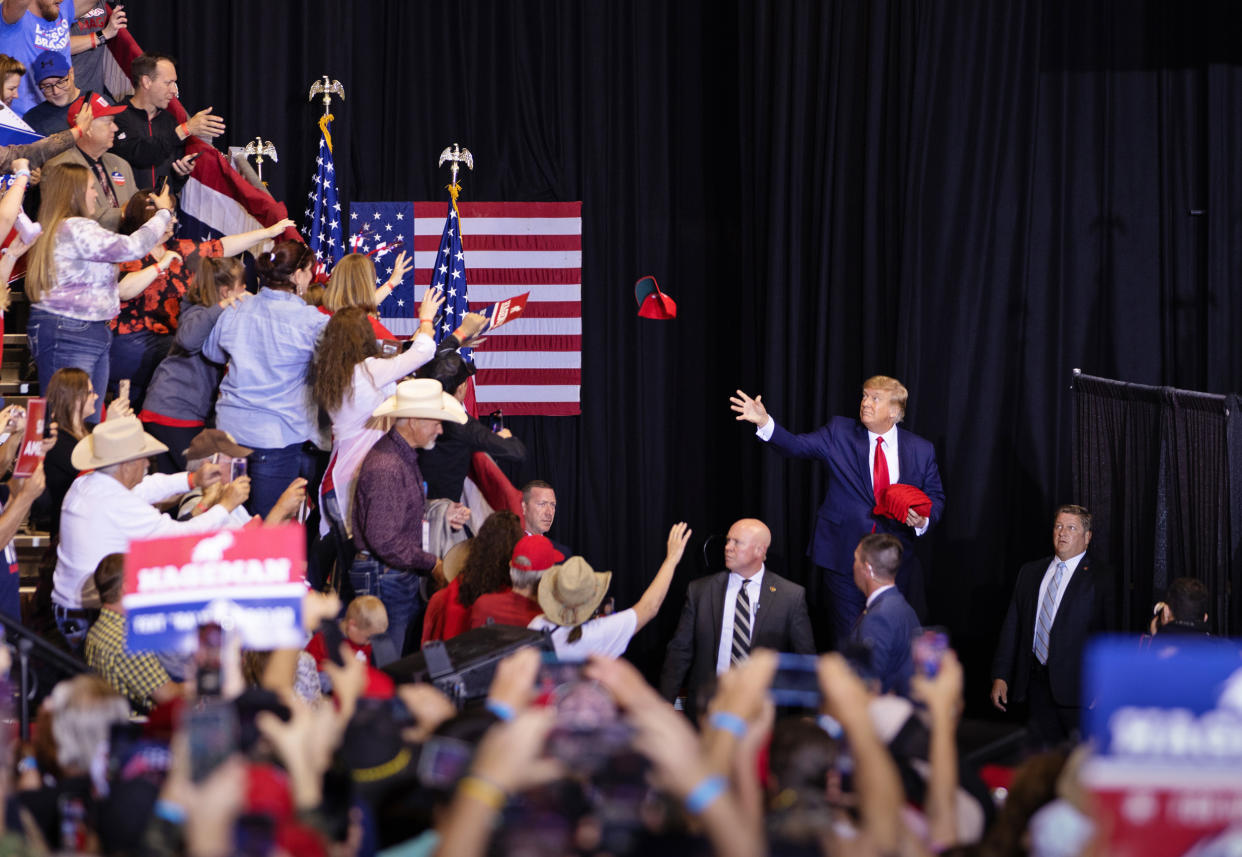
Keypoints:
pixel 53 84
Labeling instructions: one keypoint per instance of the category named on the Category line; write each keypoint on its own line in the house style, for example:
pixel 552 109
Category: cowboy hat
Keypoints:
pixel 422 398
pixel 210 441
pixel 570 592
pixel 114 442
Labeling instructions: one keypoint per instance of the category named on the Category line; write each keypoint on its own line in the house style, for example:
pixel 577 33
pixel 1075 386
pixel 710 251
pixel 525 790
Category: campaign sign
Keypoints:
pixel 504 311
pixel 250 581
pixel 1167 732
pixel 32 441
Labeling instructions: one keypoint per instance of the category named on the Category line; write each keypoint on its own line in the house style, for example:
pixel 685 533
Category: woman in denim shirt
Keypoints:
pixel 267 343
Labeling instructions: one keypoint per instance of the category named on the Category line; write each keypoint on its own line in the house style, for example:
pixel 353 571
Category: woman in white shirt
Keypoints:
pixel 571 592
pixel 350 379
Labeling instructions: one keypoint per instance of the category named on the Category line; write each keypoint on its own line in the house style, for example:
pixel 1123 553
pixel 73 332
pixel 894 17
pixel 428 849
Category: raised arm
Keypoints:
pixel 649 605
pixel 233 244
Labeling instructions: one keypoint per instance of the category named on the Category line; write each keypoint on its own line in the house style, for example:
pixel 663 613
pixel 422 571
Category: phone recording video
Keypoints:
pixel 211 732
pixel 928 650
pixel 589 729
pixel 237 468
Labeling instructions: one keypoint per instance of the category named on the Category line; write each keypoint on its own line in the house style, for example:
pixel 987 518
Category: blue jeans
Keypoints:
pixel 135 356
pixel 57 342
pixel 400 592
pixel 271 471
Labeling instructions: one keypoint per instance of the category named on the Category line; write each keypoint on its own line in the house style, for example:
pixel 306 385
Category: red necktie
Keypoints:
pixel 879 471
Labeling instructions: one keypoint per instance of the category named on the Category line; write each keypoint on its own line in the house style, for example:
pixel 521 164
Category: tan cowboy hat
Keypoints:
pixel 422 397
pixel 113 442
pixel 570 592
pixel 455 560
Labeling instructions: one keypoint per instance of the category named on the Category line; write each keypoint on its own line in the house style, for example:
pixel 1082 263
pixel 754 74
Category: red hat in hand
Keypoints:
pixel 100 106
pixel 899 499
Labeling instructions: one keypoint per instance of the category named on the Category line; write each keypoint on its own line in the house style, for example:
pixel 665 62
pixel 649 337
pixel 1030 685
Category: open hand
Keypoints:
pixel 677 538
pixel 748 409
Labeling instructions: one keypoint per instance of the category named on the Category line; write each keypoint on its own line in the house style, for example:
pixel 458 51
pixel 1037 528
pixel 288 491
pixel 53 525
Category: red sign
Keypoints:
pixel 251 580
pixel 32 441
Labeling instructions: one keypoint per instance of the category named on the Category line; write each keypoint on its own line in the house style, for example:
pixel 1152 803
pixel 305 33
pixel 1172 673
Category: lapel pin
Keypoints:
pixel 773 588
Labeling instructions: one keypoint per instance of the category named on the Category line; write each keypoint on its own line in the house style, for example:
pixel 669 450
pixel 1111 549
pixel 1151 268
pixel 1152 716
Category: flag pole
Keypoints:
pixel 455 156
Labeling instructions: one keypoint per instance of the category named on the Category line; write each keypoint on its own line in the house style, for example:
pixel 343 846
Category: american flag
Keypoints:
pixel 323 210
pixel 530 366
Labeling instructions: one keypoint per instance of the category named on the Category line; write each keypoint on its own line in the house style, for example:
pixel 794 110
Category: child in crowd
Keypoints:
pixel 364 618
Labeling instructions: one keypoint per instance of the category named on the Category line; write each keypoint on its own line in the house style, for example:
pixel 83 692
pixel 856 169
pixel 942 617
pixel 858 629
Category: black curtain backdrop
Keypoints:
pixel 975 198
pixel 1155 467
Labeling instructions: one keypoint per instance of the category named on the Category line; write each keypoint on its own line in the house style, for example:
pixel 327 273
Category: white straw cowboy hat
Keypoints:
pixel 113 442
pixel 570 592
pixel 422 397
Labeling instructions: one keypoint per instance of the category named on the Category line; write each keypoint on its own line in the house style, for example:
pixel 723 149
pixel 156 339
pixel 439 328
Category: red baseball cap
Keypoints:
pixel 535 553
pixel 100 106
pixel 899 499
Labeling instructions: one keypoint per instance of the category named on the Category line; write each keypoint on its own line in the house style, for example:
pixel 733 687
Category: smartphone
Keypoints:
pixel 796 683
pixel 211 731
pixel 122 389
pixel 497 420
pixel 207 660
pixel 589 729
pixel 124 739
pixel 443 761
pixel 238 468
pixel 254 834
pixel 928 650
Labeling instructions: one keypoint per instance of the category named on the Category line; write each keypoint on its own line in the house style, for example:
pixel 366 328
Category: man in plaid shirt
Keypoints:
pixel 141 678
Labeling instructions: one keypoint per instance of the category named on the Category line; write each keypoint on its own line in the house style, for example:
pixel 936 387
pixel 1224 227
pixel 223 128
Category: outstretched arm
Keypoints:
pixel 649 605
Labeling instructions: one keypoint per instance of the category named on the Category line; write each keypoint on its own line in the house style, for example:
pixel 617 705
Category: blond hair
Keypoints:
pixel 368 613
pixel 352 284
pixel 63 195
pixel 897 393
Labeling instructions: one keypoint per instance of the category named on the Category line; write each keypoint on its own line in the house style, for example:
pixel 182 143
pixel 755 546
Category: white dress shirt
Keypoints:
pixel 1071 565
pixel 874 595
pixel 101 516
pixel 754 586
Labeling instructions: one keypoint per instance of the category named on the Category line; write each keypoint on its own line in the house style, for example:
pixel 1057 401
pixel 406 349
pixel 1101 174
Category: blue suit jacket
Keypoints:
pixel 887 628
pixel 845 516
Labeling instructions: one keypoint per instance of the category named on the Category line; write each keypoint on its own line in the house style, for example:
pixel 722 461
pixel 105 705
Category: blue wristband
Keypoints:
pixel 727 721
pixel 170 812
pixel 704 794
pixel 25 173
pixel 500 709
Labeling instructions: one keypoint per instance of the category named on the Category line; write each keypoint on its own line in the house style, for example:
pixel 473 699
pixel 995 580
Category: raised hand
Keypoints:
pixel 204 123
pixel 400 267
pixel 748 409
pixel 677 538
pixel 433 299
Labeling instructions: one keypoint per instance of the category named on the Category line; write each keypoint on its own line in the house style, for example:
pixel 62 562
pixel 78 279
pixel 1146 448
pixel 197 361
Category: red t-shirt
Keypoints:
pixel 506 608
pixel 318 650
pixel 381 332
pixel 446 616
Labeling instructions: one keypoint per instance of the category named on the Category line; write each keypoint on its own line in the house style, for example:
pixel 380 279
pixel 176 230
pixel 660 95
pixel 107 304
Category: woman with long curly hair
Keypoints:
pixel 349 379
pixel 485 570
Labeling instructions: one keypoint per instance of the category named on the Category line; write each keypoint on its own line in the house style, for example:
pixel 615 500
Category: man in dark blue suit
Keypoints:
pixel 857 477
pixel 887 625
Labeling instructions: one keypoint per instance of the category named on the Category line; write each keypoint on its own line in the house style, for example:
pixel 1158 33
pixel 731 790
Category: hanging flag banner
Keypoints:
pixel 1166 726
pixel 250 580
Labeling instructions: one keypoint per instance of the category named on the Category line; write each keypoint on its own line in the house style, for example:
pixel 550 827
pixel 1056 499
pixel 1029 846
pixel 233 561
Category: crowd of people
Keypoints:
pixel 293 403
